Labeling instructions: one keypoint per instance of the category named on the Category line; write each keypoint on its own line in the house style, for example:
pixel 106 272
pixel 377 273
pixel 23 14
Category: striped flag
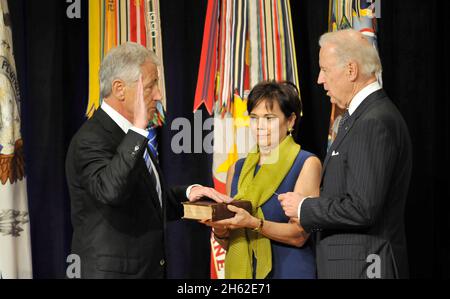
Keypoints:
pixel 154 42
pixel 359 15
pixel 207 73
pixel 244 42
pixel 15 244
pixel 114 22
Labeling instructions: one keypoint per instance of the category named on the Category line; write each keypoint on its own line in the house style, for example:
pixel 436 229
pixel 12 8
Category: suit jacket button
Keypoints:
pixel 162 262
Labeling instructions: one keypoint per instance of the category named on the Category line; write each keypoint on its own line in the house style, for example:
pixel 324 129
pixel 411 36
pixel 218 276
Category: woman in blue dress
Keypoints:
pixel 266 243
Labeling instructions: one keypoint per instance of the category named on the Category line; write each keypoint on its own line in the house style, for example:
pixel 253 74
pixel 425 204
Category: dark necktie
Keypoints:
pixel 344 119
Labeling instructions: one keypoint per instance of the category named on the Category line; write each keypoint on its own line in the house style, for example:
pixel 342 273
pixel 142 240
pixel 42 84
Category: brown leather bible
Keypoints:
pixel 211 210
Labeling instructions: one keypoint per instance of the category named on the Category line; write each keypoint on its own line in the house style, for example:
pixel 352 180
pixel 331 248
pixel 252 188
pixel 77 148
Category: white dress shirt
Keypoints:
pixel 362 95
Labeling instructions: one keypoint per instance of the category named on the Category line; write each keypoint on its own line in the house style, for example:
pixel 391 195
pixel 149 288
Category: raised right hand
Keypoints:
pixel 140 117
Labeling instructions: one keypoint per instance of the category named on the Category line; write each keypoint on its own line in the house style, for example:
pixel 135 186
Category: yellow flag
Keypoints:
pixel 110 26
pixel 95 21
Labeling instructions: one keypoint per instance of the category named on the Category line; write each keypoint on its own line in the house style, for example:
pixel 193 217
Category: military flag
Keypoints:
pixel 114 22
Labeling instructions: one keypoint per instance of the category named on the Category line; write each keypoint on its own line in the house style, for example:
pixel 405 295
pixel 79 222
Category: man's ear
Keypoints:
pixel 352 71
pixel 118 89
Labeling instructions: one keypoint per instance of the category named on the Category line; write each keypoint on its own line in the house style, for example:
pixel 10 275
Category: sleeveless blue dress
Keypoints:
pixel 287 261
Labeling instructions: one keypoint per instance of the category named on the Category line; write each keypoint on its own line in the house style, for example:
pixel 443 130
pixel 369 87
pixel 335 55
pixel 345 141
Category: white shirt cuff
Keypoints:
pixel 300 206
pixel 188 190
pixel 140 131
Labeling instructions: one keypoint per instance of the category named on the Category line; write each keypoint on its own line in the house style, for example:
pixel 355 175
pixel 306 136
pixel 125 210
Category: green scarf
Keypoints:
pixel 258 189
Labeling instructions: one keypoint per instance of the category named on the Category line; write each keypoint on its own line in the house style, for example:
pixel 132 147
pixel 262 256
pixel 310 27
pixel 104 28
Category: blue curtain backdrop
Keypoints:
pixel 51 56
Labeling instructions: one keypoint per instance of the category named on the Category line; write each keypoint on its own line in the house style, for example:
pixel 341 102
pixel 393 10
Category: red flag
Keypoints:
pixel 207 72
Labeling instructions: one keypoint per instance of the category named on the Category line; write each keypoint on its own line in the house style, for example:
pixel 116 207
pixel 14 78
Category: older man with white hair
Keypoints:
pixel 118 197
pixel 358 219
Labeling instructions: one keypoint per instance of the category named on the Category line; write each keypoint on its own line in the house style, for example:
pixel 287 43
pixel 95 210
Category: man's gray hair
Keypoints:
pixel 352 45
pixel 123 62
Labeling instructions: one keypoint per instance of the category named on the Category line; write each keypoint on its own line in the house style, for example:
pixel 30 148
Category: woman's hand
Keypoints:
pixel 218 229
pixel 242 219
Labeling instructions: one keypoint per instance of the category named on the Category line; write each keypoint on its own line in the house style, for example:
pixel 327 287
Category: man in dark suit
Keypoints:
pixel 119 200
pixel 358 219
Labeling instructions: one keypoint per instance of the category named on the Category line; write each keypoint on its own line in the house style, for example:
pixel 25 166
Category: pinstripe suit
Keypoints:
pixel 364 187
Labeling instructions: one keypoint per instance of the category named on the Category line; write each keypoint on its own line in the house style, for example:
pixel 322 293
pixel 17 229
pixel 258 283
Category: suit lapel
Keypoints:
pixel 109 125
pixel 343 132
pixel 339 138
pixel 151 186
pixel 161 178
